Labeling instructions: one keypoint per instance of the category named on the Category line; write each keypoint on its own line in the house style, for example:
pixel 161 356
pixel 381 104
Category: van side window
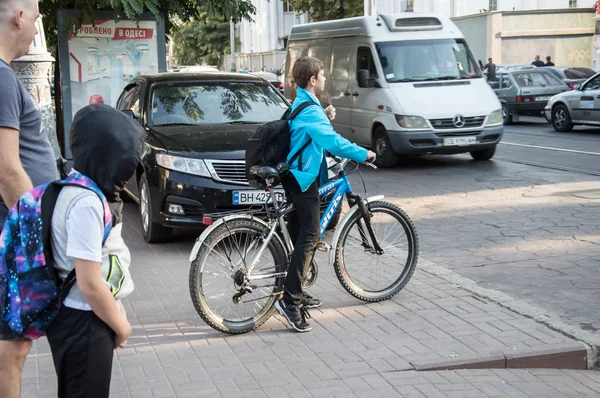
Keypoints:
pixel 364 60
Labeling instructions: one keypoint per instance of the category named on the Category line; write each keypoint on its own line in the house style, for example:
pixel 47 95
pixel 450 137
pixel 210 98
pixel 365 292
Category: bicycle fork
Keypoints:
pixel 364 225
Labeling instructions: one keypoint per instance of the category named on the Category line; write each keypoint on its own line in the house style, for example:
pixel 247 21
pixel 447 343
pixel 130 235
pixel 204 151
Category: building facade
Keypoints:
pixel 458 8
pixel 263 41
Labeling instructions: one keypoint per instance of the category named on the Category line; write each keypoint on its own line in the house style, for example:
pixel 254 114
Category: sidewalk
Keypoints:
pixel 355 349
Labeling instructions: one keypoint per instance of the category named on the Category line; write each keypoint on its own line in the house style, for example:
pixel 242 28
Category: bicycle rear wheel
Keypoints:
pixel 367 275
pixel 219 274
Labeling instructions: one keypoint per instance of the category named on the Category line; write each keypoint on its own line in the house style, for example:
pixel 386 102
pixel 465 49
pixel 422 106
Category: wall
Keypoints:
pixel 475 30
pixel 516 37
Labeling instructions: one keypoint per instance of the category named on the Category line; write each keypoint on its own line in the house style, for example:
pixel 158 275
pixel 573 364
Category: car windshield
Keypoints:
pixel 215 103
pixel 423 60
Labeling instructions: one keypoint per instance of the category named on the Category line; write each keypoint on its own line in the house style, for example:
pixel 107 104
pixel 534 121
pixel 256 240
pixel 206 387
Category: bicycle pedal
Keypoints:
pixel 324 247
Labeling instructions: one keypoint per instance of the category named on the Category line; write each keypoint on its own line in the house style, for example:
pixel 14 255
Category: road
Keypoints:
pixel 534 141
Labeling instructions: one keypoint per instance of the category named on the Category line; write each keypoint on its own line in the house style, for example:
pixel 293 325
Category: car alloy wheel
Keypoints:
pixel 144 206
pixel 561 118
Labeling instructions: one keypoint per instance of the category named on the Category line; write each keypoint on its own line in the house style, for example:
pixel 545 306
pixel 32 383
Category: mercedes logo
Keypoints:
pixel 458 121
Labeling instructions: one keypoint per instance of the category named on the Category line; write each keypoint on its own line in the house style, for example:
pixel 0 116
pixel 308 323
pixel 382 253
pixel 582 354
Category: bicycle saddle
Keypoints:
pixel 266 172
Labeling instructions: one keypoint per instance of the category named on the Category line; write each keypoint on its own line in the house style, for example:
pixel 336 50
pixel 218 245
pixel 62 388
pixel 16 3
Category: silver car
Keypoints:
pixel 525 92
pixel 578 107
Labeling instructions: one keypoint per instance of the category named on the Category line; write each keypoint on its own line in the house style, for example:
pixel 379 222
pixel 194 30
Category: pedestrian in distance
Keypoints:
pixel 86 237
pixel 481 66
pixel 490 67
pixel 26 156
pixel 311 134
pixel 549 61
pixel 538 63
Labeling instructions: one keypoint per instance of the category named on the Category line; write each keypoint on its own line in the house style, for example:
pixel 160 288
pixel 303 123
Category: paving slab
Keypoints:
pixel 355 349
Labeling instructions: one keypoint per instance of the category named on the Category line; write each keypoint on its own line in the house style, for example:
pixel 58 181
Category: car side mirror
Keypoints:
pixel 577 87
pixel 364 81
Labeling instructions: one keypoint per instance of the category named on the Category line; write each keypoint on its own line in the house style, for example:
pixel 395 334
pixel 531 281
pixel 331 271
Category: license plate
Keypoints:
pixel 255 197
pixel 544 98
pixel 454 141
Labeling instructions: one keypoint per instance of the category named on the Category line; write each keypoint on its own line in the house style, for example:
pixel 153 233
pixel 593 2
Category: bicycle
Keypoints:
pixel 238 264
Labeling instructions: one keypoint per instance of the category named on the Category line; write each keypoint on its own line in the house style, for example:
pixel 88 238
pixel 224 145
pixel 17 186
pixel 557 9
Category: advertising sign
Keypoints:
pixel 100 58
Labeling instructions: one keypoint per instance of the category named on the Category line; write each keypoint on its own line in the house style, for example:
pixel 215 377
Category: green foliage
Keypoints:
pixel 325 10
pixel 183 10
pixel 204 39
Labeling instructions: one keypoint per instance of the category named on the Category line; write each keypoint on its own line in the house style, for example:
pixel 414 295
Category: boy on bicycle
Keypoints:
pixel 301 184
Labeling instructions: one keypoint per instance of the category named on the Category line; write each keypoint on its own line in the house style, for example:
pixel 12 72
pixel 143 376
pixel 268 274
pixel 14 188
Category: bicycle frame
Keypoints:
pixel 341 186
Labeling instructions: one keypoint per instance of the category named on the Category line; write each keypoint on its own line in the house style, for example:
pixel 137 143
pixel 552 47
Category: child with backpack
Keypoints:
pixel 86 243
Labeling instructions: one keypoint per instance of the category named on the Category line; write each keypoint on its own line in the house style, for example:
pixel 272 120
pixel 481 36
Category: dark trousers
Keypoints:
pixel 303 225
pixel 82 348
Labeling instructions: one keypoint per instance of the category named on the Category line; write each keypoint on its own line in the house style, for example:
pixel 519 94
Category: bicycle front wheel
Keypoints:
pixel 226 294
pixel 370 276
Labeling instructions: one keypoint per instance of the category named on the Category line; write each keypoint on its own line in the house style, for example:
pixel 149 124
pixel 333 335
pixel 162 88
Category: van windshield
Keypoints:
pixel 425 60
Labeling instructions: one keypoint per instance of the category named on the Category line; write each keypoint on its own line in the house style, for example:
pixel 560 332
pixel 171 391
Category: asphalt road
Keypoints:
pixel 533 141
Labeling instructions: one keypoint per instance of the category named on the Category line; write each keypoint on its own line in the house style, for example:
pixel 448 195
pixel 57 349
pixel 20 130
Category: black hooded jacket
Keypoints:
pixel 107 146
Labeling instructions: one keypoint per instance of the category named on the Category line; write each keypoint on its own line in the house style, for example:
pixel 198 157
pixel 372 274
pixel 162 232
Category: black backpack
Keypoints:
pixel 270 144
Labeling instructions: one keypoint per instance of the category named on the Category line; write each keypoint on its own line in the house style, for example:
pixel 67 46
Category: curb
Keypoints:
pixel 590 342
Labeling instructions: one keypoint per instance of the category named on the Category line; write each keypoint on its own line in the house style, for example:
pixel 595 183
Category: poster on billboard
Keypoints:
pixel 100 59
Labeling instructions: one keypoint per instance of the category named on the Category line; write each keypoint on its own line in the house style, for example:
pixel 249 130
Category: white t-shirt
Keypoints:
pixel 77 232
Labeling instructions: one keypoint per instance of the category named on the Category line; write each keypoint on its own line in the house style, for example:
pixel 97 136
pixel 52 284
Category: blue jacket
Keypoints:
pixel 313 123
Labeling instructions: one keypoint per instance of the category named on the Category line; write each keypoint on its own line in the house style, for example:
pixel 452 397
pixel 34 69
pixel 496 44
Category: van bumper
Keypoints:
pixel 432 142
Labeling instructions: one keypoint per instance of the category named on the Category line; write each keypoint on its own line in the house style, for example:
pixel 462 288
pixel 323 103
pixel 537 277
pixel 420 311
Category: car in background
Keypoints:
pixel 572 76
pixel 193 166
pixel 271 78
pixel 581 106
pixel 525 92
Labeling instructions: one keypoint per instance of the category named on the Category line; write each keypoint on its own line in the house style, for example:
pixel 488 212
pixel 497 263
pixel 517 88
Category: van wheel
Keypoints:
pixel 386 157
pixel 151 231
pixel 561 119
pixel 506 116
pixel 484 154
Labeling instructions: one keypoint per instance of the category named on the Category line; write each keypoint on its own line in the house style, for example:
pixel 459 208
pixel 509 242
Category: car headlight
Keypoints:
pixel 412 122
pixel 184 165
pixel 495 118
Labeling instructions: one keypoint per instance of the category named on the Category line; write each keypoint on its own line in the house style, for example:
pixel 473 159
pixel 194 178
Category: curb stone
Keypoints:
pixel 590 341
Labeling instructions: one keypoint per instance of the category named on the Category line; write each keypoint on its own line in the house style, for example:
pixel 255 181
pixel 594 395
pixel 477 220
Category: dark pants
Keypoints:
pixel 82 348
pixel 303 225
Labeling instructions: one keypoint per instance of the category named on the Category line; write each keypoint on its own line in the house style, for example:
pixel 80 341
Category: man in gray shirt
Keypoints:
pixel 26 157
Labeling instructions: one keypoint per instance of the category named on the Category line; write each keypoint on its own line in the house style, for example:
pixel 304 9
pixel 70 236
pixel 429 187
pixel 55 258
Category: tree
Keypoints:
pixel 203 39
pixel 183 10
pixel 325 10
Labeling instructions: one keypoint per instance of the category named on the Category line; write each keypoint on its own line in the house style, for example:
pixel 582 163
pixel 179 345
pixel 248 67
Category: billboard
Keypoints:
pixel 100 58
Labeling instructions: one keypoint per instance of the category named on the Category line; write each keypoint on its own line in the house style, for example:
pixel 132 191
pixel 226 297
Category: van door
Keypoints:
pixel 339 86
pixel 364 99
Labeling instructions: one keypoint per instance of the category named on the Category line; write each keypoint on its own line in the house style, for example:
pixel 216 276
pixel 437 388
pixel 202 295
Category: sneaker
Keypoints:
pixel 295 316
pixel 309 301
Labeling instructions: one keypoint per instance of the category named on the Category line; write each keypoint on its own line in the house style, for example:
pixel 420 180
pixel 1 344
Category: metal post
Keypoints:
pixel 33 69
pixel 232 41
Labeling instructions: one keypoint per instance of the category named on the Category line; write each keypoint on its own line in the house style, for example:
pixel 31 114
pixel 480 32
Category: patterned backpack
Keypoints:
pixel 30 289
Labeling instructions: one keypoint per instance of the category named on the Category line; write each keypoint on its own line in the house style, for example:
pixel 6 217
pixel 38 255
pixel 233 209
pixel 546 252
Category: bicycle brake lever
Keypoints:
pixel 372 165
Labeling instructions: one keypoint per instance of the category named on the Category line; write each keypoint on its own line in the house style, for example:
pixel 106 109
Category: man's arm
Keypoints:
pixel 14 181
pixel 320 130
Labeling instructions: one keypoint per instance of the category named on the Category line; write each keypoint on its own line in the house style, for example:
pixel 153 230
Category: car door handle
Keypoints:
pixel 355 94
pixel 346 92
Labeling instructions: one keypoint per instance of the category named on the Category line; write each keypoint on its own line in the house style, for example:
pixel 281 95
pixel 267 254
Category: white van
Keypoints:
pixel 404 84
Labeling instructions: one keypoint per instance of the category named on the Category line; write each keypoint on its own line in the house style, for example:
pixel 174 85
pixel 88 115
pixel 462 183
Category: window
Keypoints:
pixel 422 60
pixel 287 7
pixel 410 4
pixel 572 3
pixel 493 5
pixel 130 100
pixel 505 82
pixel 593 84
pixel 531 79
pixel 364 60
pixel 215 103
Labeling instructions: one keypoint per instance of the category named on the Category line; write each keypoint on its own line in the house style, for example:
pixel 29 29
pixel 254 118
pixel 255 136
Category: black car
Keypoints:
pixel 193 167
